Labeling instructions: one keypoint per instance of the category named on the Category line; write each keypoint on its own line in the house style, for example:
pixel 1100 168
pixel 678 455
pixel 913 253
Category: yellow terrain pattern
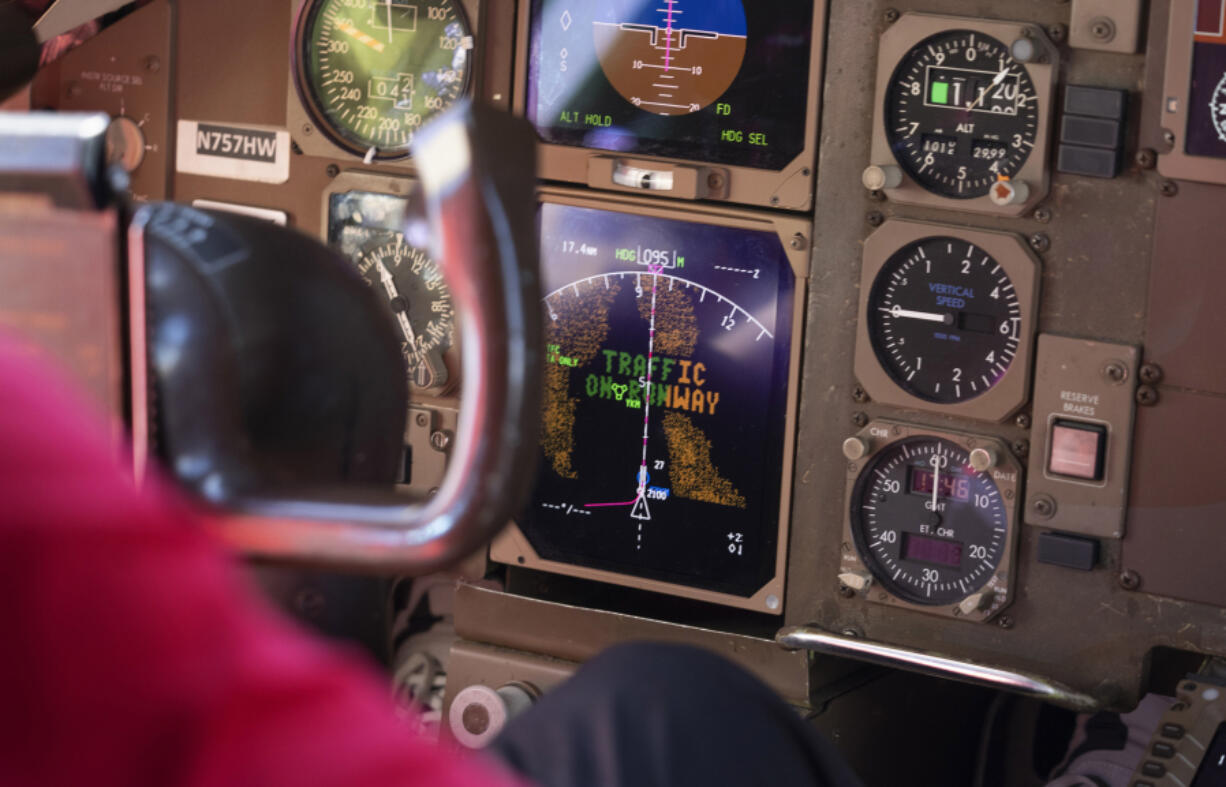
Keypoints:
pixel 676 325
pixel 580 328
pixel 690 469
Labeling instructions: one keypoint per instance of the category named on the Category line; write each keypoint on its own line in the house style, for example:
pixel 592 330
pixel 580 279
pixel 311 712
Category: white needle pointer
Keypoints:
pixel 907 314
pixel 389 284
pixel 936 479
pixel 984 93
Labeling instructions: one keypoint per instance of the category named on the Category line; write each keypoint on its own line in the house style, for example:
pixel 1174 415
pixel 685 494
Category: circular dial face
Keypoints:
pixel 961 114
pixel 944 320
pixel 930 529
pixel 419 301
pixel 372 71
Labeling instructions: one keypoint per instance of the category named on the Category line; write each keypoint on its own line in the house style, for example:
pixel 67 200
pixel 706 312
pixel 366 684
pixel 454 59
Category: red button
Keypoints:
pixel 1077 450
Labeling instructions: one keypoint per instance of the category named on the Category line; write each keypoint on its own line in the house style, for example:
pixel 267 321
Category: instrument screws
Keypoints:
pixel 859 394
pixel 1147 158
pixel 423 419
pixel 153 63
pixel 1147 396
pixel 875 218
pixel 877 195
pixel 1151 374
pixel 798 241
pixel 860 419
pixel 1005 622
pixel 715 181
pixel 1042 215
pixel 846 592
pixel 1057 32
pixel 1130 580
pixel 1102 29
pixel 1168 137
pixel 1022 421
pixel 1043 507
pixel 1040 242
pixel 1021 448
pixel 439 441
pixel 333 170
pixel 891 16
pixel 1115 372
pixel 307 129
pixel 1169 188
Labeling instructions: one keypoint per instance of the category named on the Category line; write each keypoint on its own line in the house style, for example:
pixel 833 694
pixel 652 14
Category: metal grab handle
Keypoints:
pixel 477 168
pixel 818 641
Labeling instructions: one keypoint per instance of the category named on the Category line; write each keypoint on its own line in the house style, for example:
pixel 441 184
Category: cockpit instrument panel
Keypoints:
pixel 964 112
pixel 671 363
pixel 724 83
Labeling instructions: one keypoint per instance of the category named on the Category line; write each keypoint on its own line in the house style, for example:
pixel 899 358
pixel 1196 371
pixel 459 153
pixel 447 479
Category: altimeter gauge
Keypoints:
pixel 963 114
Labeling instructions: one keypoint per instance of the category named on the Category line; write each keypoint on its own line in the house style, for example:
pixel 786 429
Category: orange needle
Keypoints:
pixel 359 36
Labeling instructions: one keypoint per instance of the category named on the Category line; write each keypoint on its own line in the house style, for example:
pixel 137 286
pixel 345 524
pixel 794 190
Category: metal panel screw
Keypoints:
pixel 422 419
pixel 333 170
pixel 875 218
pixel 1040 242
pixel 1021 448
pixel 1042 215
pixel 308 129
pixel 1043 507
pixel 1169 188
pixel 1005 622
pixel 859 394
pixel 1022 421
pixel 1147 158
pixel 891 16
pixel 846 592
pixel 1168 137
pixel 798 241
pixel 860 419
pixel 1115 372
pixel 1151 374
pixel 1147 396
pixel 153 63
pixel 1102 28
pixel 439 441
pixel 1057 32
pixel 877 195
pixel 715 181
pixel 1130 580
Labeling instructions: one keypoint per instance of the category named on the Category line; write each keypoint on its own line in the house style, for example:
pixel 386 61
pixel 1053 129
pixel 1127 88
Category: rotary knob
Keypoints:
pixel 125 144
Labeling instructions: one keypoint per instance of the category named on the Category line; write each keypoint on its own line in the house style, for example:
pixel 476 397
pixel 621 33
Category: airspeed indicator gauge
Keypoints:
pixel 947 319
pixel 371 72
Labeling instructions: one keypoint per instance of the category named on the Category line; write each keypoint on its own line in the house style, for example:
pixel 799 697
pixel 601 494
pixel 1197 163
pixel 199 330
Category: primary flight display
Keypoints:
pixel 716 80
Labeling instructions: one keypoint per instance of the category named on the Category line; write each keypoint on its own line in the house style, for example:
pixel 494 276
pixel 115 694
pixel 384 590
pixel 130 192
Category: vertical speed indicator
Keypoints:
pixel 945 320
pixel 961 114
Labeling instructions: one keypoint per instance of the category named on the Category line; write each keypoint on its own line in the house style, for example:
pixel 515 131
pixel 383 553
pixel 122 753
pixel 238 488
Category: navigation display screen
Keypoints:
pixel 723 81
pixel 1206 133
pixel 668 347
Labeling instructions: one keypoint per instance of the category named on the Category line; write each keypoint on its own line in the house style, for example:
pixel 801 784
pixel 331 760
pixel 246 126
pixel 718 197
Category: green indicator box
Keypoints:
pixel 940 92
